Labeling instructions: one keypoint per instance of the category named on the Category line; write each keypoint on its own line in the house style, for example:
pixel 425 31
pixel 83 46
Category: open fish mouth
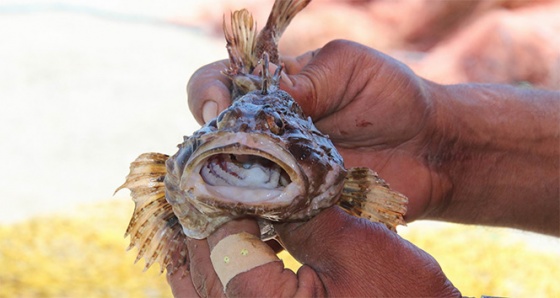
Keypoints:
pixel 244 169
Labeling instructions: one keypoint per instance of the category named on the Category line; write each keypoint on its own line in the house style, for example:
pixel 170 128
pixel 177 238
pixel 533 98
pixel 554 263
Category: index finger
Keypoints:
pixel 243 284
pixel 208 91
pixel 294 65
pixel 269 279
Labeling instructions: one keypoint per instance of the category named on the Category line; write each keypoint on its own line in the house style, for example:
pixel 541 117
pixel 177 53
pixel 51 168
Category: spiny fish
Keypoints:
pixel 261 157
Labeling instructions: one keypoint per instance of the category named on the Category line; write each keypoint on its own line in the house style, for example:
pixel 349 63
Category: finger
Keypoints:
pixel 300 237
pixel 344 240
pixel 269 279
pixel 294 65
pixel 181 284
pixel 208 91
pixel 355 257
pixel 242 280
pixel 319 79
pixel 233 227
pixel 351 250
pixel 309 283
pixel 204 279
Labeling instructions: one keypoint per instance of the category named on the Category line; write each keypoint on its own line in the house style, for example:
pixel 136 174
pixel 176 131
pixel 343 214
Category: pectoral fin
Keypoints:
pixel 368 196
pixel 154 229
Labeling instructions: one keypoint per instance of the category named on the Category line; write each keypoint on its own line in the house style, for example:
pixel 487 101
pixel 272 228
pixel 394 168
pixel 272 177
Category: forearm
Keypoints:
pixel 499 150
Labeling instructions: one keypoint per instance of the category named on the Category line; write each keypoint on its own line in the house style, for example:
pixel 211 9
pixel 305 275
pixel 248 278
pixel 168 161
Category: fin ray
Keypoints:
pixel 368 196
pixel 153 229
pixel 282 13
pixel 240 42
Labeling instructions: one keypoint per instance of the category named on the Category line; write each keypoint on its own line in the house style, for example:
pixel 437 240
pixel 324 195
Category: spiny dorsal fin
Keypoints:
pixel 246 49
pixel 154 228
pixel 368 196
pixel 240 42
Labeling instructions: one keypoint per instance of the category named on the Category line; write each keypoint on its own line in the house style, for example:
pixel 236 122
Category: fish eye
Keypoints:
pixel 275 123
pixel 279 122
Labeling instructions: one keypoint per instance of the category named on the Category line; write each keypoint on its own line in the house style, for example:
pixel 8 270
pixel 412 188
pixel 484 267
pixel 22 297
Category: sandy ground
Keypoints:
pixel 84 90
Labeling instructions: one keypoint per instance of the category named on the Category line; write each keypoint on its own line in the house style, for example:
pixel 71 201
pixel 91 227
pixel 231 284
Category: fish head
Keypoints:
pixel 260 157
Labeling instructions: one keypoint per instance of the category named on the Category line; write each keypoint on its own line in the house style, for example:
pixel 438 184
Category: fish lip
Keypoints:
pixel 259 144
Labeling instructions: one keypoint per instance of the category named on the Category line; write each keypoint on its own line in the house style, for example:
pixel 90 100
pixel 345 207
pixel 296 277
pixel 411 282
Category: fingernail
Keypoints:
pixel 209 111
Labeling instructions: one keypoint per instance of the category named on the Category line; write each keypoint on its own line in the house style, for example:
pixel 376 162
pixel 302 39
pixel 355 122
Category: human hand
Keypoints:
pixel 426 140
pixel 375 110
pixel 343 256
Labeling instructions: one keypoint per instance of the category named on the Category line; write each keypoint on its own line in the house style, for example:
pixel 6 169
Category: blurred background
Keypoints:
pixel 87 86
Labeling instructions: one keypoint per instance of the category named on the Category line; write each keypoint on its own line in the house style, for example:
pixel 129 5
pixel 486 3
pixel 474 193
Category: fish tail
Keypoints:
pixel 154 229
pixel 246 48
pixel 368 196
pixel 283 12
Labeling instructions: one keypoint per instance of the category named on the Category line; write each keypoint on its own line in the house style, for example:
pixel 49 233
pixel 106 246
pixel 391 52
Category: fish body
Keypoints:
pixel 261 157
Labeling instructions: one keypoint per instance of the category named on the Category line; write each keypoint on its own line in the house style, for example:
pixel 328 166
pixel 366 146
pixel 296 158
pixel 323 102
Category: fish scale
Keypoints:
pixel 205 185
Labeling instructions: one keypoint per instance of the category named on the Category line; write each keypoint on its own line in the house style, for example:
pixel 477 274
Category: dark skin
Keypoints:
pixel 477 154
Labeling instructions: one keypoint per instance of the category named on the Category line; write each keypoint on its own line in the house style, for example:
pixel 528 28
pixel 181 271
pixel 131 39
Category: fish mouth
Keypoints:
pixel 244 171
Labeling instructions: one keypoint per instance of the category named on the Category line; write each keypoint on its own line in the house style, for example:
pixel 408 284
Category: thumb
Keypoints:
pixel 355 257
pixel 335 246
pixel 319 80
pixel 324 241
pixel 208 91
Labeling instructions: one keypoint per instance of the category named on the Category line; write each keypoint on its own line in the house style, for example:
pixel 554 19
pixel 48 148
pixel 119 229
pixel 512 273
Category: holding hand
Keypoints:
pixel 342 256
pixel 478 154
pixel 449 149
pixel 375 110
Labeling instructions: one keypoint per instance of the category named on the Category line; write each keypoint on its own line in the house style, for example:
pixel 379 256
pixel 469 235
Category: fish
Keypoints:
pixel 262 157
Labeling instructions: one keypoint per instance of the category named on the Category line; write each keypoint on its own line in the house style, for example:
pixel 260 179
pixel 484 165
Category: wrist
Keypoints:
pixel 497 146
